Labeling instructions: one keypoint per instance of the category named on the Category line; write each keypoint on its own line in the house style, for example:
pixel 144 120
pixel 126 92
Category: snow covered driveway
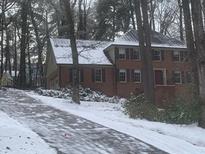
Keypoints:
pixel 67 133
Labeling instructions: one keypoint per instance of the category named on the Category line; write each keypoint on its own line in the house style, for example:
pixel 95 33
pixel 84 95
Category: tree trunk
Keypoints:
pixel 24 29
pixel 7 54
pixel 152 21
pixel 15 54
pixel 2 38
pixel 75 84
pixel 80 22
pixel 200 46
pixel 148 53
pixel 132 13
pixel 190 46
pixel 145 48
pixel 39 69
pixel 181 20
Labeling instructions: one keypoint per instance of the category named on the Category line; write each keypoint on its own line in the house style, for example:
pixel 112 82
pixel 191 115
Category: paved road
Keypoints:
pixel 67 133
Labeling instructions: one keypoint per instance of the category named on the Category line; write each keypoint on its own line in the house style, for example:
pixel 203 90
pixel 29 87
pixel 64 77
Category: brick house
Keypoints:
pixel 115 68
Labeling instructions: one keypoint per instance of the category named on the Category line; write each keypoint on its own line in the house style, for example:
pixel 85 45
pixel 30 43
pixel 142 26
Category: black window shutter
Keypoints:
pixel 153 54
pixel 132 54
pixel 142 75
pixel 71 75
pixel 181 56
pixel 117 75
pixel 183 77
pixel 186 56
pixel 103 75
pixel 172 54
pixel 132 75
pixel 127 53
pixel 162 55
pixel 116 53
pixel 128 75
pixel 81 75
pixel 173 77
pixel 93 75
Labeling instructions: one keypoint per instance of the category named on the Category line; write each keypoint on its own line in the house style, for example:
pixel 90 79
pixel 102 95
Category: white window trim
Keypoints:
pixel 160 55
pixel 179 56
pixel 138 71
pixel 101 75
pixel 123 71
pixel 122 52
pixel 140 57
pixel 180 77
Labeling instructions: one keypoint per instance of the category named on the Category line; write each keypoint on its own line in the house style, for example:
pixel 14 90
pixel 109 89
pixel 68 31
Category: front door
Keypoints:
pixel 159 77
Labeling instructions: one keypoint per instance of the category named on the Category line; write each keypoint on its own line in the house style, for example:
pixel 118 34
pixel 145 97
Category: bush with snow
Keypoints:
pixel 180 111
pixel 86 94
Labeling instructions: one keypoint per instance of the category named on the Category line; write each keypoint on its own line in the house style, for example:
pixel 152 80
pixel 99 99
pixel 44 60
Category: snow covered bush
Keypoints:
pixel 138 107
pixel 86 94
pixel 180 111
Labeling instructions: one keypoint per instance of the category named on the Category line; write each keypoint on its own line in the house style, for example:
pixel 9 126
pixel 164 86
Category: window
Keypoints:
pixel 122 75
pixel 137 76
pixel 156 55
pixel 189 77
pixel 98 75
pixel 176 56
pixel 135 54
pixel 122 53
pixel 177 77
pixel 180 56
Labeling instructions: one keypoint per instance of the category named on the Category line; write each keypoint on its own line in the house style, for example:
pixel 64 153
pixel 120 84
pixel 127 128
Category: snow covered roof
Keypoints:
pixel 157 40
pixel 90 52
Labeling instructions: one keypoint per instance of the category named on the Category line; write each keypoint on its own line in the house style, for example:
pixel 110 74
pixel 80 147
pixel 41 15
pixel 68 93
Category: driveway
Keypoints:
pixel 67 133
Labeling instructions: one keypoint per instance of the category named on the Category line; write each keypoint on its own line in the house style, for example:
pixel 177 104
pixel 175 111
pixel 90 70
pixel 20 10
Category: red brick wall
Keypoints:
pixel 106 87
pixel 162 93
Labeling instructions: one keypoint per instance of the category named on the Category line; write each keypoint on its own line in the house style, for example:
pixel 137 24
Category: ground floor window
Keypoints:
pixel 137 76
pixel 189 77
pixel 122 75
pixel 177 76
pixel 98 75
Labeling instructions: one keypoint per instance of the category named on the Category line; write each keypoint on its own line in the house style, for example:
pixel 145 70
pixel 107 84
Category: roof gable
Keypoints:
pixel 90 52
pixel 157 40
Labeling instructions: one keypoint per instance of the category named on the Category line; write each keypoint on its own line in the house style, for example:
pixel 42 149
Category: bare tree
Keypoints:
pixel 199 35
pixel 181 30
pixel 71 29
pixel 24 29
pixel 145 47
pixel 190 45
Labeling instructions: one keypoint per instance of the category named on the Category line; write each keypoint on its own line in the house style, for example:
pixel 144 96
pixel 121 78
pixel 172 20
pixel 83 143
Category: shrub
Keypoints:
pixel 180 111
pixel 138 107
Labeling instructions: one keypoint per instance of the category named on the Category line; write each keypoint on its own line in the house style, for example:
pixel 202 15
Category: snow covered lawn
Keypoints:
pixel 16 139
pixel 174 139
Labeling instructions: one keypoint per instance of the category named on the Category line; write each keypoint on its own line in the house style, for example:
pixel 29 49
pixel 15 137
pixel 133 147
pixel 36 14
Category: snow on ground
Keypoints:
pixel 174 139
pixel 16 139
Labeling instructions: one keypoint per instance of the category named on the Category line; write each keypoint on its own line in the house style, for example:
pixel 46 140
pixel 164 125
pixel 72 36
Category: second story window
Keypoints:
pixel 122 54
pixel 98 75
pixel 156 55
pixel 135 54
pixel 176 56
pixel 177 77
pixel 122 75
pixel 180 56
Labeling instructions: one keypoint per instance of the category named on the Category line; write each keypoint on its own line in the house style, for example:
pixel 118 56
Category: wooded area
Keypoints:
pixel 26 26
